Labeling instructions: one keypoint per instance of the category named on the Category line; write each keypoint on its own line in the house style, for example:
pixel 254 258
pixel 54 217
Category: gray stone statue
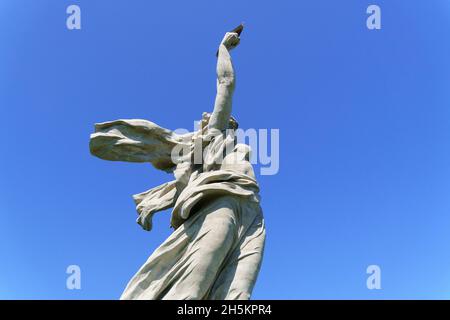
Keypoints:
pixel 216 248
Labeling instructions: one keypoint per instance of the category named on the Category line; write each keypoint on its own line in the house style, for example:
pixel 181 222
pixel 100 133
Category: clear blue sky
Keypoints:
pixel 364 135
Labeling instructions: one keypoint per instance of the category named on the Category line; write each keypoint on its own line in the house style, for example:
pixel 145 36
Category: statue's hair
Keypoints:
pixel 232 123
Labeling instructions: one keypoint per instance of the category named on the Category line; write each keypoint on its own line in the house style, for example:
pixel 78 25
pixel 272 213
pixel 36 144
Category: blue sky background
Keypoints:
pixel 364 139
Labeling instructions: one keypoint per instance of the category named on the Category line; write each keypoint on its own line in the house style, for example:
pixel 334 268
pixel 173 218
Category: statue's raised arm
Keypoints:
pixel 225 81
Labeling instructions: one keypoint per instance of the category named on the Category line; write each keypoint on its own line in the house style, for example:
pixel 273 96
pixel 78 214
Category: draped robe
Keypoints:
pixel 216 249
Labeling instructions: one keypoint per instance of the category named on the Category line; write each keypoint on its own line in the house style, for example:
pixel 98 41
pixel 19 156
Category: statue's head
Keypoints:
pixel 232 123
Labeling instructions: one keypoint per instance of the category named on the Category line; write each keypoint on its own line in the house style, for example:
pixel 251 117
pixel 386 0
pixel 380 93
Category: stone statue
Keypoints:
pixel 216 248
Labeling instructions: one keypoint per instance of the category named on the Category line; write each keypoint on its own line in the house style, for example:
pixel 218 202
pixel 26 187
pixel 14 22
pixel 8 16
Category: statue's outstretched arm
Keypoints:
pixel 225 82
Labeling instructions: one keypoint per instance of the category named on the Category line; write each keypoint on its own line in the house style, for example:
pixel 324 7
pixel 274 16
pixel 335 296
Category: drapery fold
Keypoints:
pixel 216 249
pixel 135 141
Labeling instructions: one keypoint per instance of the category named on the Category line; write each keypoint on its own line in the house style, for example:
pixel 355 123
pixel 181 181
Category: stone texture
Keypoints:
pixel 216 249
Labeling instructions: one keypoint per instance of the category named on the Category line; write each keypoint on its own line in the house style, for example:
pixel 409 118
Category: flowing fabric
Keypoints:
pixel 216 249
pixel 215 253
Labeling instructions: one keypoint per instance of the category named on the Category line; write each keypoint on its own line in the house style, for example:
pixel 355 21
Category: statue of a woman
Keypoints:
pixel 216 249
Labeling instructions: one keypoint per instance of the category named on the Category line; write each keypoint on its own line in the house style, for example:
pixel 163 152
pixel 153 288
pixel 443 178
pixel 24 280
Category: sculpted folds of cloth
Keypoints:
pixel 216 248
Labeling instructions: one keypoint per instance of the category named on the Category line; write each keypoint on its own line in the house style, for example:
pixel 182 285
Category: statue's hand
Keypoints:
pixel 230 40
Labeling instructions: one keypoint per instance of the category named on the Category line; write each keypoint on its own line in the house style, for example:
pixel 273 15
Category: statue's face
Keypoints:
pixel 232 124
